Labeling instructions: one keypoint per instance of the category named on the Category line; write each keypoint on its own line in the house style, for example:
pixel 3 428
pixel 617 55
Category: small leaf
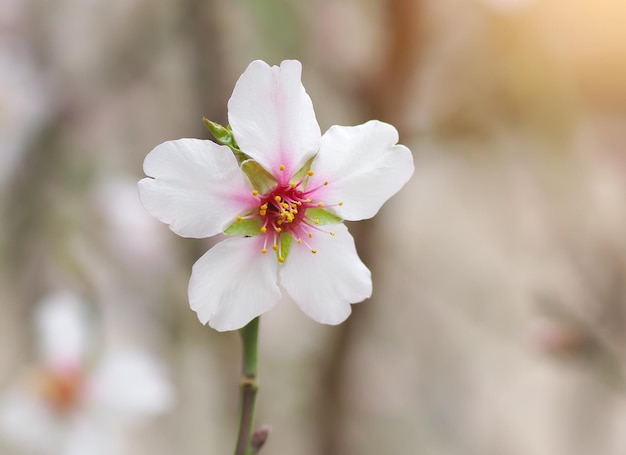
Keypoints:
pixel 248 226
pixel 261 180
pixel 323 216
pixel 225 137
pixel 285 244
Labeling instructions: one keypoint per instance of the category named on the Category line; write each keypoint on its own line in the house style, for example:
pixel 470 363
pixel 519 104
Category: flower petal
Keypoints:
pixel 272 116
pixel 130 385
pixel 27 423
pixel 198 188
pixel 363 166
pixel 62 329
pixel 89 435
pixel 233 283
pixel 324 284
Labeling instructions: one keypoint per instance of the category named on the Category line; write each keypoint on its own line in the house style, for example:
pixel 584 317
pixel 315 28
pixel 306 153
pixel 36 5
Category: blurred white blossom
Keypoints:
pixel 74 402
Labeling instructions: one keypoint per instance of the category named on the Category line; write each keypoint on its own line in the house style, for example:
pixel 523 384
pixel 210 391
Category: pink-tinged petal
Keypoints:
pixel 197 187
pixel 324 284
pixel 233 283
pixel 273 118
pixel 63 331
pixel 130 385
pixel 363 166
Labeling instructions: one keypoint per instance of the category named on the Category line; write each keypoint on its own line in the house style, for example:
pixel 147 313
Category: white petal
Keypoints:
pixel 197 187
pixel 27 423
pixel 130 384
pixel 273 118
pixel 324 284
pixel 233 283
pixel 62 329
pixel 90 436
pixel 363 166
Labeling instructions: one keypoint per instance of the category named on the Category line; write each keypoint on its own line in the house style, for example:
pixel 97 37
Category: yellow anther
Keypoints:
pixel 255 193
pixel 239 218
pixel 320 204
pixel 263 207
pixel 316 221
pixel 313 251
pixel 310 173
pixel 284 204
pixel 263 229
pixel 310 235
pixel 279 222
pixel 325 182
pixel 278 230
pixel 340 203
pixel 332 233
pixel 281 167
pixel 275 247
pixel 299 240
pixel 308 200
pixel 293 185
pixel 278 198
pixel 281 259
pixel 264 250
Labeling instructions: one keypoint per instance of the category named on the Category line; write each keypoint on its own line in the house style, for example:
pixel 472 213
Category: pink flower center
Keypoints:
pixel 283 210
pixel 62 389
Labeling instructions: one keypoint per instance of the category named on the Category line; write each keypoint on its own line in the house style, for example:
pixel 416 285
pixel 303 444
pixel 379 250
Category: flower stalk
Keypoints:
pixel 249 387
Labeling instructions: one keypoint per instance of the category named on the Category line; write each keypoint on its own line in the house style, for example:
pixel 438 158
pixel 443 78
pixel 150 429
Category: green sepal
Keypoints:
pixel 248 226
pixel 261 180
pixel 224 135
pixel 323 216
pixel 303 170
pixel 285 244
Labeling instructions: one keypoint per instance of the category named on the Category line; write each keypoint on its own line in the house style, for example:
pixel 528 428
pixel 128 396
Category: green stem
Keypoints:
pixel 249 387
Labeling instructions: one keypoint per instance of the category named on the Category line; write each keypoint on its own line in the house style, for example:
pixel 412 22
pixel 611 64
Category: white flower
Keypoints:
pixel 292 185
pixel 68 406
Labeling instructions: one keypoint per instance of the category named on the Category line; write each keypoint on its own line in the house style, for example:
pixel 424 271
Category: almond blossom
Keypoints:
pixel 280 191
pixel 69 404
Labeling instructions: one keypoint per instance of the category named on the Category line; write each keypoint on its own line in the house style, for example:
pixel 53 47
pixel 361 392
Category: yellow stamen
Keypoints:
pixel 310 235
pixel 239 218
pixel 332 233
pixel 299 240
pixel 278 230
pixel 316 221
pixel 281 259
pixel 313 251
pixel 281 167
pixel 325 182
pixel 292 184
pixel 263 229
pixel 264 250
pixel 275 247
pixel 320 204
pixel 340 203
pixel 310 173
pixel 278 198
pixel 255 193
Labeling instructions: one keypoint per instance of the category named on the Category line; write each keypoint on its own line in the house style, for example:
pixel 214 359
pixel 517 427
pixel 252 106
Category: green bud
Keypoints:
pixel 225 137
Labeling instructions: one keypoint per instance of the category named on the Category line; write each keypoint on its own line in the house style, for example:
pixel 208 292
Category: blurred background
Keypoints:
pixel 498 321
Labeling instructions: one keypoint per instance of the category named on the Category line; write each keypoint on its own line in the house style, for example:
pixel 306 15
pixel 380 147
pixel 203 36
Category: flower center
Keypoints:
pixel 283 211
pixel 61 389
